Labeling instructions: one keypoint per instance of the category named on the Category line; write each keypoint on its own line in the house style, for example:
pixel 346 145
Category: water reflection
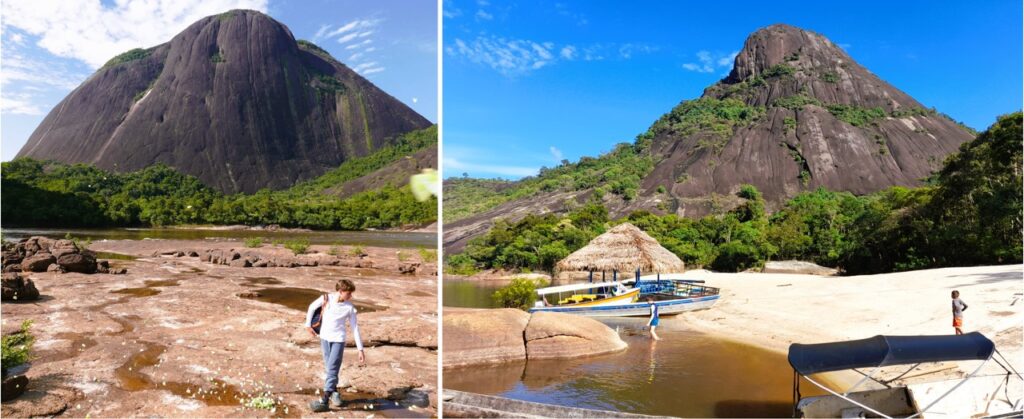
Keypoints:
pixel 364 238
pixel 685 374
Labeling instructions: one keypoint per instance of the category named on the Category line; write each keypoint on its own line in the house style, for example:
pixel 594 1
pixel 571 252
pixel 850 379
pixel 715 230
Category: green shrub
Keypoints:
pixel 265 402
pixel 297 246
pixel 428 255
pixel 830 77
pixel 316 48
pixel 793 57
pixel 789 124
pixel 795 102
pixel 217 57
pixel 254 242
pixel 855 115
pixel 79 242
pixel 778 70
pixel 328 84
pixel 357 250
pixel 17 347
pixel 130 55
pixel 521 293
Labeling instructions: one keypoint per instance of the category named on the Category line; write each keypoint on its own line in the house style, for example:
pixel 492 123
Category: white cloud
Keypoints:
pixel 482 15
pixel 19 104
pixel 359 44
pixel 415 100
pixel 373 70
pixel 513 57
pixel 556 153
pixel 355 56
pixel 568 52
pixel 708 62
pixel 94 32
pixel 347 37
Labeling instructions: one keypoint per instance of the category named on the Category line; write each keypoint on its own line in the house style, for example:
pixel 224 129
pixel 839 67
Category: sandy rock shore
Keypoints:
pixel 775 310
pixel 174 338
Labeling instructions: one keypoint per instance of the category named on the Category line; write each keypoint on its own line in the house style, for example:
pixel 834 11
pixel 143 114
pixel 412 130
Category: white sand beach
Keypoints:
pixel 775 310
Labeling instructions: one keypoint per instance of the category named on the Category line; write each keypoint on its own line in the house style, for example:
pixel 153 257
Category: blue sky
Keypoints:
pixel 527 84
pixel 50 46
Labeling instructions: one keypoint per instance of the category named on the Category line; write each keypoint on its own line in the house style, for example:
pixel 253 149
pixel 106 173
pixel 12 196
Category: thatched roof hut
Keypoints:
pixel 624 248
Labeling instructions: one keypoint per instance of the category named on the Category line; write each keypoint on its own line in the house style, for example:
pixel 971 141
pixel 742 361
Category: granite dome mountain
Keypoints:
pixel 795 113
pixel 233 100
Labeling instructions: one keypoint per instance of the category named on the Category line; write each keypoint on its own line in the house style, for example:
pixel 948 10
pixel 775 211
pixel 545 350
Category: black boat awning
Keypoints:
pixel 888 350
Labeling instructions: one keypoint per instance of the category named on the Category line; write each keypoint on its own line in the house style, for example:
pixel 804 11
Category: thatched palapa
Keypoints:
pixel 624 248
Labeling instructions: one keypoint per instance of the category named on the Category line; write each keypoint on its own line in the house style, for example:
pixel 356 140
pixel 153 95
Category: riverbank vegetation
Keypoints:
pixel 969 213
pixel 48 194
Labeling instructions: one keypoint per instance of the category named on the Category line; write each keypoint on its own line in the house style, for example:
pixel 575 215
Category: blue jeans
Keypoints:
pixel 332 363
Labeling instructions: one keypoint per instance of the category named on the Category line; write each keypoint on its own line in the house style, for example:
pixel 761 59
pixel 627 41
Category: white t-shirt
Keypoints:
pixel 333 318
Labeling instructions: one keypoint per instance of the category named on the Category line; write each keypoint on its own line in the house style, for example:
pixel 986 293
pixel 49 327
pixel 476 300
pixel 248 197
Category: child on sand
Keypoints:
pixel 335 310
pixel 958 312
pixel 653 322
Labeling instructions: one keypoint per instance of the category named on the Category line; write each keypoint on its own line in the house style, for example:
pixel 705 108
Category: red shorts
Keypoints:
pixel 958 322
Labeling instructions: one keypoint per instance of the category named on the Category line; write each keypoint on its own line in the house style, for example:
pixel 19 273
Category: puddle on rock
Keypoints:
pixel 370 403
pixel 80 342
pixel 300 298
pixel 419 294
pixel 114 256
pixel 251 281
pixel 213 392
pixel 150 289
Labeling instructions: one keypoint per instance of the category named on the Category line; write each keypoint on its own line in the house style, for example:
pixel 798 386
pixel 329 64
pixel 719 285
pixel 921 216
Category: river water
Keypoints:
pixel 687 373
pixel 365 238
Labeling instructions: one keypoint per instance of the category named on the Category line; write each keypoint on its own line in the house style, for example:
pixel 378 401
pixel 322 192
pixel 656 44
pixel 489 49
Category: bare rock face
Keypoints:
pixel 560 335
pixel 483 336
pixel 233 100
pixel 18 288
pixel 807 87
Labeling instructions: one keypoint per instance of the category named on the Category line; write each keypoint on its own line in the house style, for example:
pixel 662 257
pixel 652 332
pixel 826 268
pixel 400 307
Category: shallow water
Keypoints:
pixel 686 374
pixel 300 298
pixel 365 238
pixel 471 294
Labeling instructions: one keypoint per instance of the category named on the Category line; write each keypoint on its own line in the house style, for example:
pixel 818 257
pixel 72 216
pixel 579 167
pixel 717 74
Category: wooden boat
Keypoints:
pixel 616 299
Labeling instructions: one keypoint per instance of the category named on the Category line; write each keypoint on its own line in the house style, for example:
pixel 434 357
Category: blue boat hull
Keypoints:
pixel 637 309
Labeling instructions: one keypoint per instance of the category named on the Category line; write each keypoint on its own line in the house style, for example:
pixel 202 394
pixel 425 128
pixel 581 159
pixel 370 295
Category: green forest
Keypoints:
pixel 49 194
pixel 968 213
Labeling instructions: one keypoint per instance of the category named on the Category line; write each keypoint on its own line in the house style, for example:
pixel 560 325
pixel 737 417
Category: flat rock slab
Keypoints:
pixel 486 336
pixel 172 335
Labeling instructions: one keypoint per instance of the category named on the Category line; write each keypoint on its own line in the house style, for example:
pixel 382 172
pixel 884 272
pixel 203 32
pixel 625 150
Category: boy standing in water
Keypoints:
pixel 335 310
pixel 653 322
pixel 958 312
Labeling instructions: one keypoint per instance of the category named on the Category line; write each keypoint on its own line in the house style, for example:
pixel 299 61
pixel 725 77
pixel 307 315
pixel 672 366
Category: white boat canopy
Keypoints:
pixel 577 287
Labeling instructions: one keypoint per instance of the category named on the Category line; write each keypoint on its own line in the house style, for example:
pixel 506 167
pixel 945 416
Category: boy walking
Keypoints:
pixel 335 311
pixel 958 312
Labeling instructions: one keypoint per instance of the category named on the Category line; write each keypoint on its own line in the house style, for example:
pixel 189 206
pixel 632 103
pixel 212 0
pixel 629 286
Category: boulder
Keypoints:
pixel 18 288
pixel 483 336
pixel 38 262
pixel 560 335
pixel 55 268
pixel 797 267
pixel 13 387
pixel 63 247
pixel 84 262
pixel 240 263
pixel 408 268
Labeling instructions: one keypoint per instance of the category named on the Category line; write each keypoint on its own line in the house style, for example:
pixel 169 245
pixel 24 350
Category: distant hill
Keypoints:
pixel 796 113
pixel 233 100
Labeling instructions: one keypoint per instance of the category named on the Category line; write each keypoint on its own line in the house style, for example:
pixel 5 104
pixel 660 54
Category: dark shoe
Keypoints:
pixel 318 406
pixel 336 399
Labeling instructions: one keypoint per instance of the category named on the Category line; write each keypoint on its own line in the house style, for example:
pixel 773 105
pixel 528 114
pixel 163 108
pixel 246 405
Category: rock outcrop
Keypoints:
pixel 797 267
pixel 481 336
pixel 18 288
pixel 560 335
pixel 40 254
pixel 233 100
pixel 796 113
